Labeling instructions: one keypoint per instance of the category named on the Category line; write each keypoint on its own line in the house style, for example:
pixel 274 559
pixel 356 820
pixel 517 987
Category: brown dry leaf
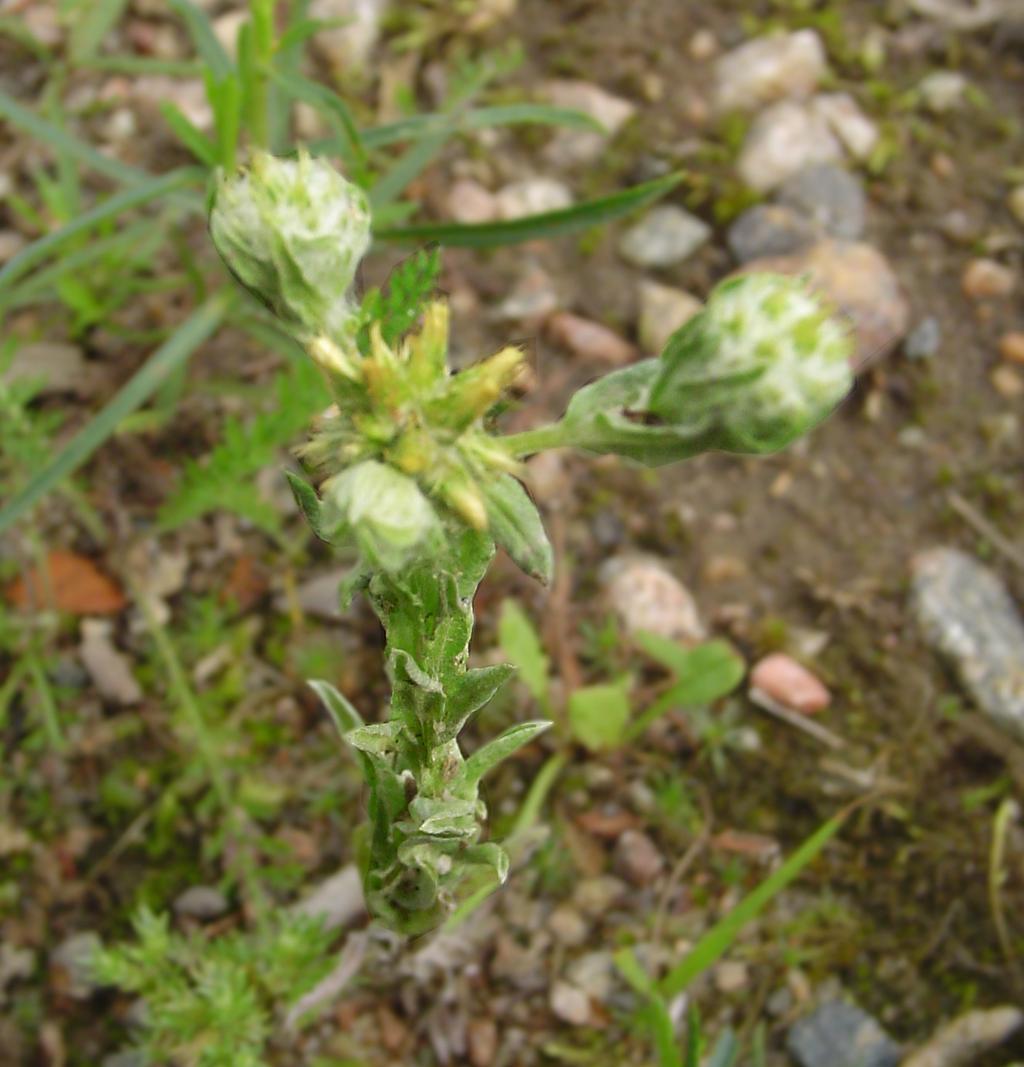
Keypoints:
pixel 67 582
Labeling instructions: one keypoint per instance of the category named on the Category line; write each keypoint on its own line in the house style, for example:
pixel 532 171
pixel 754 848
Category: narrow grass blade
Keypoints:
pixel 549 224
pixel 189 134
pixel 93 26
pixel 60 140
pixel 164 361
pixel 720 937
pixel 408 166
pixel 210 50
pixel 111 208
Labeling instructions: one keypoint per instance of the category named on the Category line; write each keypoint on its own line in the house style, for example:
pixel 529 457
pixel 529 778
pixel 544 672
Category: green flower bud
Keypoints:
pixel 759 366
pixel 293 232
pixel 385 512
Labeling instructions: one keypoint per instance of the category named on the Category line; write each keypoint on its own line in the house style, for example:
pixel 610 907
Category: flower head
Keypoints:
pixel 762 363
pixel 293 232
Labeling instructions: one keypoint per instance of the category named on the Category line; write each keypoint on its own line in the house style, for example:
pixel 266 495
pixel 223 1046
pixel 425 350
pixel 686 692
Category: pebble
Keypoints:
pixel 769 230
pixel 637 858
pixel 189 94
pixel 790 683
pixel 337 901
pixel 532 196
pixel 960 226
pixel 665 236
pixel 318 596
pixel 703 45
pixel 783 140
pixel 731 976
pixel 596 896
pixel 60 366
pixel 109 669
pixel 838 1034
pixel 469 202
pixel 924 339
pixel 533 297
pixel 969 618
pixel 857 133
pixel 349 47
pixel 590 340
pixel 942 91
pixel 663 309
pixel 482 1041
pixel 860 283
pixel 226 27
pixel 828 196
pixel 986 279
pixel 966 1039
pixel 767 69
pixel 72 959
pixel 203 902
pixel 1015 202
pixel 645 595
pixel 570 1004
pixel 1011 347
pixel 594 973
pixel 568 926
pixel 1007 382
pixel 570 148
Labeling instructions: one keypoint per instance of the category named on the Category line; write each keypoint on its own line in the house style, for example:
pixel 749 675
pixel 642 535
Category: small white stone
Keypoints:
pixel 570 1004
pixel 469 202
pixel 348 48
pixel 577 147
pixel 1016 203
pixel 769 69
pixel 786 138
pixel 731 976
pixel 703 45
pixel 942 91
pixel 645 595
pixel 109 669
pixel 532 196
pixel 857 132
pixel 59 365
pixel 226 27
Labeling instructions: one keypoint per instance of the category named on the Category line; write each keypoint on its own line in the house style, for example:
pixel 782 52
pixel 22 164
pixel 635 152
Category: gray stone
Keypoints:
pixel 828 196
pixel 783 140
pixel 319 596
pixel 769 230
pixel 60 366
pixel 570 1004
pixel 924 339
pixel 594 973
pixel 664 237
pixel 838 1034
pixel 860 283
pixel 203 902
pixel 72 958
pixel 637 858
pixel 663 309
pixel 968 617
pixel 966 1039
pixel 767 69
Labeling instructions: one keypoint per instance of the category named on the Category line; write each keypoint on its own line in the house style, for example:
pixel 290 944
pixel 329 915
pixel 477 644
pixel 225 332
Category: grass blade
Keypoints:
pixel 720 937
pixel 210 50
pixel 189 134
pixel 142 193
pixel 62 141
pixel 93 26
pixel 162 363
pixel 549 224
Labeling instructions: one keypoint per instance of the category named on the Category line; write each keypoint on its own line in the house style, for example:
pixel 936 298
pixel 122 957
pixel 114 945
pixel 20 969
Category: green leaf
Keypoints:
pixel 703 673
pixel 489 854
pixel 141 193
pixel 521 644
pixel 548 224
pixel 377 739
pixel 171 355
pixel 469 692
pixel 598 715
pixel 189 134
pixel 516 526
pixel 398 307
pixel 717 941
pixel 503 746
pixel 93 26
pixel 308 502
pixel 341 710
pixel 200 28
pixel 57 138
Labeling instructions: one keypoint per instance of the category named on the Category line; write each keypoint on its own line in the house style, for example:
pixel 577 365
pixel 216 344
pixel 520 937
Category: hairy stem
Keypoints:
pixel 538 440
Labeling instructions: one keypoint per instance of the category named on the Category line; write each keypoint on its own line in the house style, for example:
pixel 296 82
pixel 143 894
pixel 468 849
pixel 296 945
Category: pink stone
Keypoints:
pixel 590 340
pixel 791 684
